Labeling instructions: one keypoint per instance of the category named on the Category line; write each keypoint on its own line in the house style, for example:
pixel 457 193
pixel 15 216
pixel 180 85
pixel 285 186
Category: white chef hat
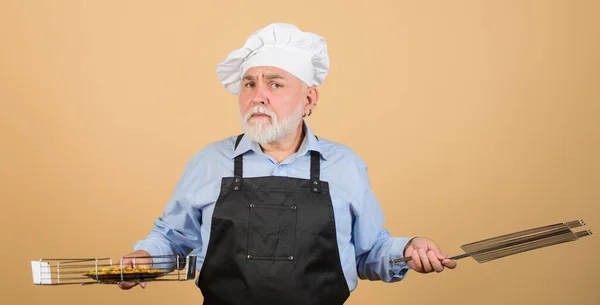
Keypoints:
pixel 282 45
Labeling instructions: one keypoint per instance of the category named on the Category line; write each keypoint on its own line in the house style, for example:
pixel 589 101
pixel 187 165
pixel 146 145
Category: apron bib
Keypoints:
pixel 273 242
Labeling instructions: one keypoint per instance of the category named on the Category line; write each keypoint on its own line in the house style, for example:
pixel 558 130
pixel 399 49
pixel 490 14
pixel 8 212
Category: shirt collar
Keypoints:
pixel 309 143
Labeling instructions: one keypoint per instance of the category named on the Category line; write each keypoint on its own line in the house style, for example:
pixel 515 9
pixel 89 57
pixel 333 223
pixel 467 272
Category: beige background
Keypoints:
pixel 476 118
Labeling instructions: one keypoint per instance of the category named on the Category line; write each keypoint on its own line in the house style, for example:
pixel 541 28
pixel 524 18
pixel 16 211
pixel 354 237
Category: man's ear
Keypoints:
pixel 312 97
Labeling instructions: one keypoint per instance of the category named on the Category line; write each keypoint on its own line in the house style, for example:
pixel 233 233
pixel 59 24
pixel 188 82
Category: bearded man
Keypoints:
pixel 278 215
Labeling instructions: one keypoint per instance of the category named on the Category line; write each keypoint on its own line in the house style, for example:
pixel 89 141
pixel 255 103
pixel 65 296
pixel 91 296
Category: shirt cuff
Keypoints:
pixel 398 271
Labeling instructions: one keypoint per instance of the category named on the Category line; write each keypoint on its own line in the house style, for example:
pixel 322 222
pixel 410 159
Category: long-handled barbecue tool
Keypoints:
pixel 518 242
pixel 102 270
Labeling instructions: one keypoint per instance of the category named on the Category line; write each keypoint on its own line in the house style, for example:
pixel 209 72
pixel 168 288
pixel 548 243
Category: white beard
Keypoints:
pixel 267 131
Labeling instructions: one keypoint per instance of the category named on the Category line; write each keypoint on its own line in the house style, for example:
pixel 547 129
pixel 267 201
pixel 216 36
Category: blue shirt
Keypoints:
pixel 365 246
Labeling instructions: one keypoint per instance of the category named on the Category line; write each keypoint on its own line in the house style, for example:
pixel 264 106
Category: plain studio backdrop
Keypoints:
pixel 476 119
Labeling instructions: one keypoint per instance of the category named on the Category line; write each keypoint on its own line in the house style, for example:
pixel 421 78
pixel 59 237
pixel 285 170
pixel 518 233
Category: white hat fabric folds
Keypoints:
pixel 282 45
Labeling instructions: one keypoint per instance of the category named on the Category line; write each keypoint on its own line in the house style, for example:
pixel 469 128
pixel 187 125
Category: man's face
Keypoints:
pixel 272 103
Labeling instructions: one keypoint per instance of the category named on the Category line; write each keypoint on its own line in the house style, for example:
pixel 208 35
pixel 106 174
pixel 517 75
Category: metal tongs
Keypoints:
pixel 518 242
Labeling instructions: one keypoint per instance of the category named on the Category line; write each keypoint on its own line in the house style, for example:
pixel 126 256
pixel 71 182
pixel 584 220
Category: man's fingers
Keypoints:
pixel 435 262
pixel 436 250
pixel 425 261
pixel 126 285
pixel 134 262
pixel 129 285
pixel 449 263
pixel 415 263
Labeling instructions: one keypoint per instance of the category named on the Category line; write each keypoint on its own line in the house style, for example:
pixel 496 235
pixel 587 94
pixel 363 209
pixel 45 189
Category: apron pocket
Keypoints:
pixel 271 232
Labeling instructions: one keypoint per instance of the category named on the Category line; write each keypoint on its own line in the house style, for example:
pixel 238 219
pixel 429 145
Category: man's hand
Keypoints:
pixel 427 256
pixel 140 260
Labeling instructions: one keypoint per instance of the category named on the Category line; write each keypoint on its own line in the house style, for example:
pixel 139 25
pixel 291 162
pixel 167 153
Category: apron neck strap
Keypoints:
pixel 315 170
pixel 238 167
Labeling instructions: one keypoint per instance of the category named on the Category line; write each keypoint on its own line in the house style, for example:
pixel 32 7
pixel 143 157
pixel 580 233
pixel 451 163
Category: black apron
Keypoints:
pixel 273 242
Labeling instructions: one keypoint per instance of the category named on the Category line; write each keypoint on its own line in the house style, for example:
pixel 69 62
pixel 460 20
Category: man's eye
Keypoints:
pixel 249 85
pixel 276 85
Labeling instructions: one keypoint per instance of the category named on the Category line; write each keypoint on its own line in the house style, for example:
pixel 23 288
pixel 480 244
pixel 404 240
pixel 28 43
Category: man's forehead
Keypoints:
pixel 266 75
pixel 266 72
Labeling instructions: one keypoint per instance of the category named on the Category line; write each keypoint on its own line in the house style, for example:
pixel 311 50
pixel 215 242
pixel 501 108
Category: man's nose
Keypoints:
pixel 260 96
